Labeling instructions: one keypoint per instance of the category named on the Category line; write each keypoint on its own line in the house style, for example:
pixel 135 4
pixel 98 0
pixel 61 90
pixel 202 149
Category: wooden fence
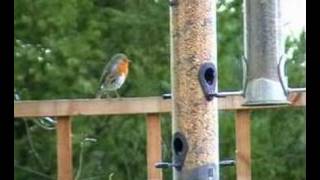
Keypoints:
pixel 64 110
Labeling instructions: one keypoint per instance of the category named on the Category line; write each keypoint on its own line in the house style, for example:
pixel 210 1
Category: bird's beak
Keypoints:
pixel 129 61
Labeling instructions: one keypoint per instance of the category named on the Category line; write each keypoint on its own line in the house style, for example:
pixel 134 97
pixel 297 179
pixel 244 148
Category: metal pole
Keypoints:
pixel 266 83
pixel 194 87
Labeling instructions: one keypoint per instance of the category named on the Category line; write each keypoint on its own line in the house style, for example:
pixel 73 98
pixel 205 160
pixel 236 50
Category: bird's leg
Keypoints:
pixel 107 95
pixel 99 95
pixel 117 94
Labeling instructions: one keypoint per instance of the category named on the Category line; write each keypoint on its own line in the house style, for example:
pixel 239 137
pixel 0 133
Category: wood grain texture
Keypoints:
pixel 243 145
pixel 64 149
pixel 153 146
pixel 76 107
pixel 90 107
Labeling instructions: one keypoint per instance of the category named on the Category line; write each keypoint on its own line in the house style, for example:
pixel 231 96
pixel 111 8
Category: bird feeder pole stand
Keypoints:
pixel 194 86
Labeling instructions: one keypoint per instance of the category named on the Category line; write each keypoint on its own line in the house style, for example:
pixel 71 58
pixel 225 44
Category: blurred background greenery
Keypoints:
pixel 60 48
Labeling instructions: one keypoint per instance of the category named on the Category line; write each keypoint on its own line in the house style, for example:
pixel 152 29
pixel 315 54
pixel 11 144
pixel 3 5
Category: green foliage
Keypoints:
pixel 60 50
pixel 296 63
pixel 230 44
pixel 279 144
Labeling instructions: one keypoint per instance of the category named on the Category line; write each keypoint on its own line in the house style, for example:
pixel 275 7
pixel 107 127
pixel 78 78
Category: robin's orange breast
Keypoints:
pixel 123 68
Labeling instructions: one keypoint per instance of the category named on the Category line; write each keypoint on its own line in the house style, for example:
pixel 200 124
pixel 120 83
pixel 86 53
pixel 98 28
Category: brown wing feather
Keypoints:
pixel 107 70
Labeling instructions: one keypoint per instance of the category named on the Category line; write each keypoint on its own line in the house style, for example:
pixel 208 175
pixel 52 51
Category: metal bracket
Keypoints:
pixel 228 162
pixel 167 96
pixel 282 75
pixel 204 172
pixel 164 165
pixel 208 81
pixel 244 74
pixel 180 149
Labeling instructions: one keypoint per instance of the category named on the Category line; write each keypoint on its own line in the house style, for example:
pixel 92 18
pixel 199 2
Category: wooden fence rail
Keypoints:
pixel 64 110
pixel 90 107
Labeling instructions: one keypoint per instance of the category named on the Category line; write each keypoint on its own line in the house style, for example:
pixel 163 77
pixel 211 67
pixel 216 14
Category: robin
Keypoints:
pixel 114 75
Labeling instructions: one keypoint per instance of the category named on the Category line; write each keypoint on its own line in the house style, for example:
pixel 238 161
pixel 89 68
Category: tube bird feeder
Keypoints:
pixel 194 85
pixel 265 82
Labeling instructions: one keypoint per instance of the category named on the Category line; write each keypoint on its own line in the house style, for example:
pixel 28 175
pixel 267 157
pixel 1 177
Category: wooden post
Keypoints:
pixel 153 146
pixel 243 146
pixel 64 148
pixel 195 119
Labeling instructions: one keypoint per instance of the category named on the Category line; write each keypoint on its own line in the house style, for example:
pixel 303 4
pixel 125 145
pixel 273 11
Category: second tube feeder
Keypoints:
pixel 266 83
